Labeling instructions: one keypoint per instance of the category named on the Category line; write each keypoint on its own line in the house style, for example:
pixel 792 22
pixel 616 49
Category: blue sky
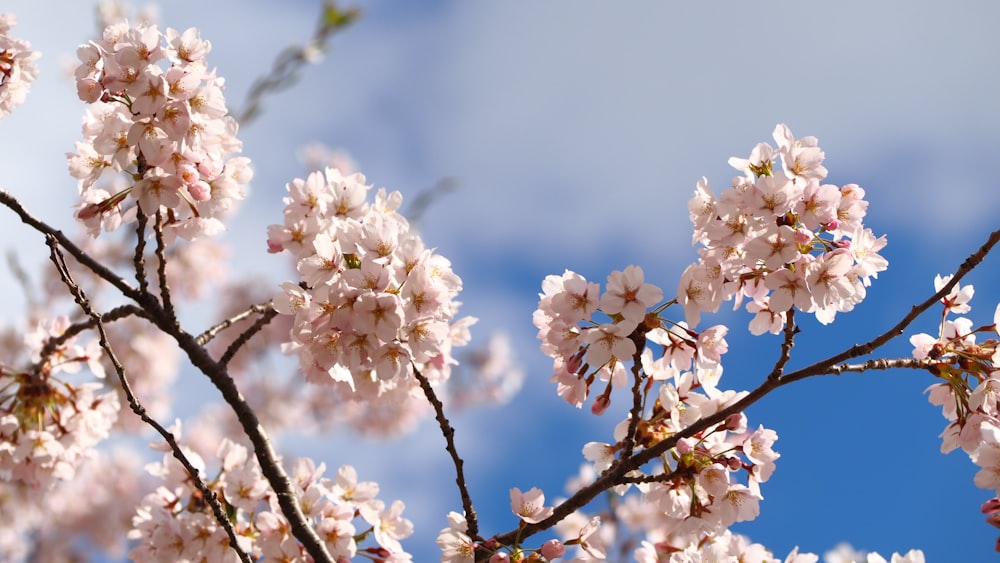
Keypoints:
pixel 576 132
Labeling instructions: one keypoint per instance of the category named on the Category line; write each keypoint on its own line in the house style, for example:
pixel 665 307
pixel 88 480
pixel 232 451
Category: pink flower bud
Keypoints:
pixel 991 506
pixel 553 549
pixel 685 446
pixel 993 520
pixel 575 361
pixel 88 211
pixel 736 422
pixel 200 191
pixel 803 236
pixel 600 405
pixel 500 557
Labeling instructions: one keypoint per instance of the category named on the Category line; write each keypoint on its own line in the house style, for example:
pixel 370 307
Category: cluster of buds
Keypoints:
pixel 165 127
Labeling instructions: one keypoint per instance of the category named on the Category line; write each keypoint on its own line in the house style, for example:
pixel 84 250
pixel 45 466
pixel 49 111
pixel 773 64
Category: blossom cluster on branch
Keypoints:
pixel 167 129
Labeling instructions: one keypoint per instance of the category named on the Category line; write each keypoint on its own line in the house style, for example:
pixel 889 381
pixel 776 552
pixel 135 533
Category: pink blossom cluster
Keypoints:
pixel 583 350
pixel 781 238
pixel 17 67
pixel 175 523
pixel 457 547
pixel 373 302
pixel 969 394
pixel 699 492
pixel 157 115
pixel 48 426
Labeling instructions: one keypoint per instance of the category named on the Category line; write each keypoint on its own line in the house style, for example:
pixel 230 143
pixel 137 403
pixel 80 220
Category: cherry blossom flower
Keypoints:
pixel 456 546
pixel 529 506
pixel 628 295
pixel 17 67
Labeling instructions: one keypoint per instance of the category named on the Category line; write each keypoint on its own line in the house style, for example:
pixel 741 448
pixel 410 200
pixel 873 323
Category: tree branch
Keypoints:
pixel 139 257
pixel 245 337
pixel 217 374
pixel 98 321
pixel 74 329
pixel 212 332
pixel 449 436
pixel 284 71
pixel 786 346
pixel 161 269
pixel 638 337
pixel 82 257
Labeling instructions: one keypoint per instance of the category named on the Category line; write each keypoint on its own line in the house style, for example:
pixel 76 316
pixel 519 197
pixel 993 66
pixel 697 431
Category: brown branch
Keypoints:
pixel 246 335
pixel 880 364
pixel 82 257
pixel 161 268
pixel 213 331
pixel 638 337
pixel 786 346
pixel 449 436
pixel 139 257
pixel 74 329
pixel 97 320
pixel 858 350
pixel 217 374
pixel 263 449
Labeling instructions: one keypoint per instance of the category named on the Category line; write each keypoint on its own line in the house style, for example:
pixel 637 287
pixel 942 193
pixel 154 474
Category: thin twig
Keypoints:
pixel 245 337
pixel 115 314
pixel 880 364
pixel 284 71
pixel 786 346
pixel 212 332
pixel 139 258
pixel 858 350
pixel 421 203
pixel 79 255
pixel 638 337
pixel 471 520
pixel 81 299
pixel 161 268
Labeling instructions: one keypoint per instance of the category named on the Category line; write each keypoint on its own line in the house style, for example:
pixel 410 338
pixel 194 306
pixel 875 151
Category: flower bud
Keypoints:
pixel 736 422
pixel 553 549
pixel 685 446
pixel 993 520
pixel 991 506
pixel 600 405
